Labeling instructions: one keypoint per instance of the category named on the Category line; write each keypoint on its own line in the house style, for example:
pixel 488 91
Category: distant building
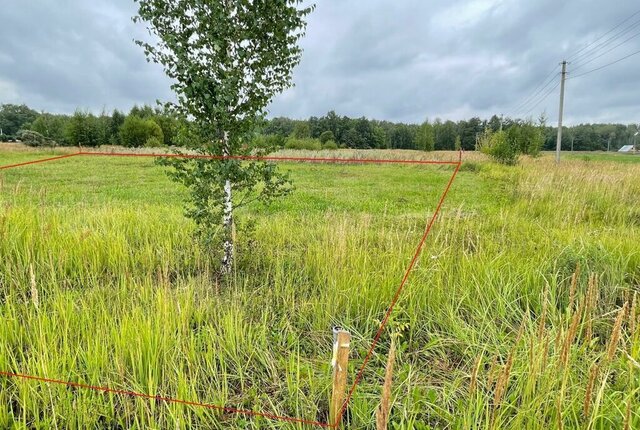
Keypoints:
pixel 628 149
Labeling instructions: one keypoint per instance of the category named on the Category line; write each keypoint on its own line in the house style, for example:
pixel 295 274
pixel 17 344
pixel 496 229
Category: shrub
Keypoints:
pixel 268 141
pixel 330 144
pixel 526 138
pixel 153 142
pixel 33 138
pixel 499 147
pixel 136 131
pixel 327 136
pixel 308 144
pixel 301 131
pixel 506 146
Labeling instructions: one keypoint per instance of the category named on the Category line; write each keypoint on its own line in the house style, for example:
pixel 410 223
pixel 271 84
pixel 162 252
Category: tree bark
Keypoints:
pixel 227 258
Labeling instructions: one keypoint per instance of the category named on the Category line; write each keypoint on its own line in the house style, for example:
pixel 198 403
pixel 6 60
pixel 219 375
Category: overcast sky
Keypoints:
pixel 401 60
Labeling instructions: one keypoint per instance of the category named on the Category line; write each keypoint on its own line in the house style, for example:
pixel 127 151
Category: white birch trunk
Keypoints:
pixel 229 236
pixel 227 258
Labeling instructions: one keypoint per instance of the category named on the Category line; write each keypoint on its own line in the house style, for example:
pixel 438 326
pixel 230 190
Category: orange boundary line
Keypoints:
pixel 11 166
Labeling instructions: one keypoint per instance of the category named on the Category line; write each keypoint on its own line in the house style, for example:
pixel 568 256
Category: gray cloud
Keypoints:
pixel 59 56
pixel 401 60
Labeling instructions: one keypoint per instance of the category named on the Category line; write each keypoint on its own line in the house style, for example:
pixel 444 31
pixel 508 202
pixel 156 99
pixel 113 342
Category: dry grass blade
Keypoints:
pixel 616 331
pixel 503 380
pixel 492 371
pixel 574 286
pixel 571 334
pixel 34 287
pixel 591 301
pixel 543 315
pixel 627 416
pixel 593 374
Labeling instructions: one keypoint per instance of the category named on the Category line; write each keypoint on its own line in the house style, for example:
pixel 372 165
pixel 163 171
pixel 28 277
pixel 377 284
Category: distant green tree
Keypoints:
pixel 51 127
pixel 143 112
pixel 103 123
pixel 458 143
pixel 326 136
pixel 469 133
pixel 170 127
pixel 301 130
pixel 499 147
pixel 14 117
pixel 495 123
pixel 117 119
pixel 279 126
pixel 530 138
pixel 425 139
pixel 505 146
pixel 402 137
pixel 379 137
pixel 315 128
pixel 330 122
pixel 351 139
pixel 445 135
pixel 136 132
pixel 82 130
pixel 365 133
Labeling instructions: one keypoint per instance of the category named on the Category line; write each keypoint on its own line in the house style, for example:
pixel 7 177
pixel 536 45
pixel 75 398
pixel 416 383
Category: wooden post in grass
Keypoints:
pixel 341 348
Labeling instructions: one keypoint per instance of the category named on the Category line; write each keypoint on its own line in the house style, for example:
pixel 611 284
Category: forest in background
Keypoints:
pixel 147 126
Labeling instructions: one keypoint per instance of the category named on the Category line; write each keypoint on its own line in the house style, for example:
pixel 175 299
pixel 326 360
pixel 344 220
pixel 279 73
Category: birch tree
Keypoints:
pixel 227 60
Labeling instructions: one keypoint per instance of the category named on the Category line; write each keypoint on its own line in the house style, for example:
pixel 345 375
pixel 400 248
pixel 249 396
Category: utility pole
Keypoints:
pixel 561 111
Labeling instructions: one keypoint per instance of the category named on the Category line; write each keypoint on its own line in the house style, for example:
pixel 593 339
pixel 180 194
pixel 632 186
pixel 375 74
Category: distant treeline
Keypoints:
pixel 146 126
pixel 443 135
pixel 142 126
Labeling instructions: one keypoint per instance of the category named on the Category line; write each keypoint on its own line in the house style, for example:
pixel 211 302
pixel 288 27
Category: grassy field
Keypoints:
pixel 101 283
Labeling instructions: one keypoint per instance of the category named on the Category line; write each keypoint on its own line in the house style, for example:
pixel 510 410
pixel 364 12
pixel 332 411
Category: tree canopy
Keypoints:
pixel 227 60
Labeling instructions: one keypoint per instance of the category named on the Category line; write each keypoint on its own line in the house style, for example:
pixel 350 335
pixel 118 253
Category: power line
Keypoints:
pixel 543 85
pixel 542 99
pixel 535 96
pixel 579 56
pixel 606 65
pixel 599 38
pixel 607 42
pixel 606 52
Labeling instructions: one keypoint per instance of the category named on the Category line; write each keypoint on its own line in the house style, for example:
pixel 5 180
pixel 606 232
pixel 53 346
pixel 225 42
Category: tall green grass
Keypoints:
pixel 101 283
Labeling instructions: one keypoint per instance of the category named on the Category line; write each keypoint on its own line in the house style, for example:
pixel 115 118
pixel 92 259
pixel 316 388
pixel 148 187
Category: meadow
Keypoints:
pixel 521 312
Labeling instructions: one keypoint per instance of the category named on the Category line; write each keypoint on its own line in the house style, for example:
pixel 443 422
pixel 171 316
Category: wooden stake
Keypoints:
pixel 340 362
